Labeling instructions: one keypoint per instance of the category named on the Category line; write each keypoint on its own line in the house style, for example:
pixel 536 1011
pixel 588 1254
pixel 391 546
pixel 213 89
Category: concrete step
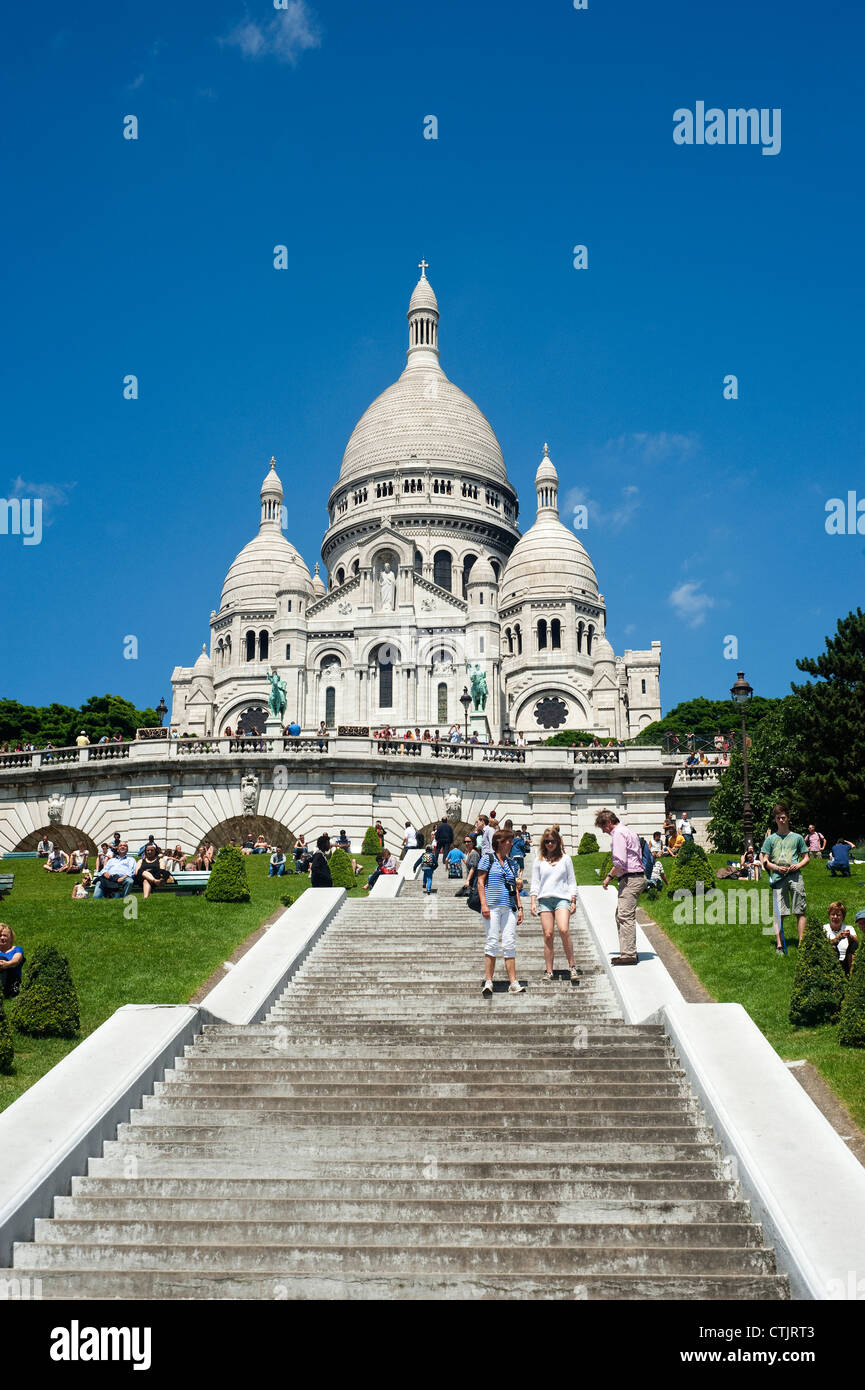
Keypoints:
pixel 696 1165
pixel 577 1109
pixel 456 1210
pixel 213 1087
pixel 572 1259
pixel 234 1286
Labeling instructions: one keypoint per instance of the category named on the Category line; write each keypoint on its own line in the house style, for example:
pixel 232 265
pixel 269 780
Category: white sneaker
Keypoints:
pixel 487 987
pixel 575 974
pixel 516 988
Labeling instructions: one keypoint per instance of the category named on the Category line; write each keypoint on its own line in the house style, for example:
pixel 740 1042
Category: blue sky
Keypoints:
pixel 305 127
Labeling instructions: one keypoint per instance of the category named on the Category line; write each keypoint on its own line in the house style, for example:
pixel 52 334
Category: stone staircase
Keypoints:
pixel 389 1133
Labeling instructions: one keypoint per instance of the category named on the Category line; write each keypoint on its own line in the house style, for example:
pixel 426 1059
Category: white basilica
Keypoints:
pixel 427 578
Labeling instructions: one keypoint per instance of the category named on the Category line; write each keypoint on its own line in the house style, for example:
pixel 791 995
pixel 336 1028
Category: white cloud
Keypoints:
pixel 691 604
pixel 614 513
pixel 52 495
pixel 288 34
pixel 661 447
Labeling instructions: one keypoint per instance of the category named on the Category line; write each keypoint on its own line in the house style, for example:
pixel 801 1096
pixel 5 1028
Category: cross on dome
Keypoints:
pixel 423 266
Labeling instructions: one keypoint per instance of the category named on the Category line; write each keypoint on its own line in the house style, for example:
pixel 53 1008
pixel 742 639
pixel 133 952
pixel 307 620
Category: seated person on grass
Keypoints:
pixel 44 847
pixel 843 938
pixel 839 857
pixel 261 846
pixel 150 872
pixel 57 862
pixel 83 886
pixel 78 860
pixel 11 961
pixel 277 863
pixel 117 876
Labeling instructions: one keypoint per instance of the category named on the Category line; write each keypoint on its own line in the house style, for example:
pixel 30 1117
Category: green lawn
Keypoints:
pixel 162 957
pixel 738 964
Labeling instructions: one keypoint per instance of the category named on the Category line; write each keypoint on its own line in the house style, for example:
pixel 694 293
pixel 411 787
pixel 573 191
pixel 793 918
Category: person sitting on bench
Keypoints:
pixel 117 876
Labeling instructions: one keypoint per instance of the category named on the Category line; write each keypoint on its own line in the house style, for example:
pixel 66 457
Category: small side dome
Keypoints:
pixel 203 666
pixel 602 651
pixel 318 583
pixel 423 296
pixel 296 579
pixel 272 483
pixel 546 469
pixel 482 572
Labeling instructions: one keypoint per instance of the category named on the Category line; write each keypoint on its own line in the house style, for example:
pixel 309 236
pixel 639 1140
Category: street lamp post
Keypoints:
pixel 161 710
pixel 741 692
pixel 465 701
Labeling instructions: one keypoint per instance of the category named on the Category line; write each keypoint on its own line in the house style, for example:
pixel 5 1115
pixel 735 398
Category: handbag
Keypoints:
pixel 473 901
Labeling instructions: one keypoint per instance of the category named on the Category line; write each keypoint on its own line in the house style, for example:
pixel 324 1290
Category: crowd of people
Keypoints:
pixel 116 872
pixel 454 734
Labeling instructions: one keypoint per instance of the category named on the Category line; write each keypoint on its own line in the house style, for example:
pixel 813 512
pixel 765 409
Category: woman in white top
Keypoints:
pixel 554 893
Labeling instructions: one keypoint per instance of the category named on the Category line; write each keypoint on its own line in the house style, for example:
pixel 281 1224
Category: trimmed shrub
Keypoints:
pixel 48 1003
pixel 7 1047
pixel 341 870
pixel 588 844
pixel 228 882
pixel 851 1030
pixel 818 985
pixel 371 843
pixel 690 867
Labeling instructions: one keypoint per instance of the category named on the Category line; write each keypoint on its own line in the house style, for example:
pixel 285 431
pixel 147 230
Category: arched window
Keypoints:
pixel 542 634
pixel 581 627
pixel 442 716
pixel 555 633
pixel 418 562
pixel 330 706
pixel 642 687
pixel 509 638
pixel 496 568
pixel 442 569
pixel 589 637
pixel 467 569
pixel 355 566
pixel 518 635
pixel 330 661
pixel 220 653
pixel 340 575
pixel 250 646
pixel 382 658
pixel 263 646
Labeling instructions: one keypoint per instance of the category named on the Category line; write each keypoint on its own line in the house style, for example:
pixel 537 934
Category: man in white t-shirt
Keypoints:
pixel 409 839
pixel 684 826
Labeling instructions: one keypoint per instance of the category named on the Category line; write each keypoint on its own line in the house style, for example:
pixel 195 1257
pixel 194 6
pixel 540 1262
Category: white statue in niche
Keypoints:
pixel 387 588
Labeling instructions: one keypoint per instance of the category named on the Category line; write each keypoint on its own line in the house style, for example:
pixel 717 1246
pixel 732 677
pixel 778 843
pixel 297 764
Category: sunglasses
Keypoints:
pixel 549 842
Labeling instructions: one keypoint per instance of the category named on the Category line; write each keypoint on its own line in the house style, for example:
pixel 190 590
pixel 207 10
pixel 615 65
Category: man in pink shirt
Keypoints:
pixel 628 871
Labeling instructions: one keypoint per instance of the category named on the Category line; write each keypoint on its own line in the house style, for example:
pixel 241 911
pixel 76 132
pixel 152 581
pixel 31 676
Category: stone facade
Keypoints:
pixel 428 578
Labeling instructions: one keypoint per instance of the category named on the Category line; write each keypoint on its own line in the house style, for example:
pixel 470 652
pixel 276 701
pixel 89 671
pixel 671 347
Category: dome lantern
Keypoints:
pixel 423 322
pixel 271 500
pixel 547 485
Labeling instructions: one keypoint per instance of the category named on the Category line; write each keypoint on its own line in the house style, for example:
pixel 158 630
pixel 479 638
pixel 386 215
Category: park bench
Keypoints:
pixel 6 884
pixel 21 854
pixel 192 881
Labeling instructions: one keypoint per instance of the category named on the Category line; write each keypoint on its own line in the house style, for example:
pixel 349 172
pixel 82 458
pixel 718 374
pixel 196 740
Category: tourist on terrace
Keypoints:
pixel 277 863
pixel 844 939
pixel 150 872
pixel 83 886
pixel 82 740
pixel 11 961
pixel 427 736
pixel 57 862
pixel 630 879
pixel 436 738
pixel 319 869
pixel 502 910
pixel 454 734
pixel 117 876
pixel 44 847
pixel 322 736
pixel 554 895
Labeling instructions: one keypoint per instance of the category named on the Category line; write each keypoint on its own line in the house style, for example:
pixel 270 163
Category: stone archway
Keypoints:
pixel 237 828
pixel 461 828
pixel 65 837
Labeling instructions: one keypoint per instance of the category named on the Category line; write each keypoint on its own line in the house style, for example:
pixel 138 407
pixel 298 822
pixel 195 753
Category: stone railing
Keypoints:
pixel 356 746
pixel 701 773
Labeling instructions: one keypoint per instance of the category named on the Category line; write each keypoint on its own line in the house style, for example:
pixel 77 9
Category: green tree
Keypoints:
pixel 588 844
pixel 61 724
pixel 48 1003
pixel 690 867
pixel 702 718
pixel 340 869
pixel 569 738
pixel 228 882
pixel 851 1029
pixel 7 1046
pixel 818 985
pixel 772 762
pixel 830 718
pixel 371 844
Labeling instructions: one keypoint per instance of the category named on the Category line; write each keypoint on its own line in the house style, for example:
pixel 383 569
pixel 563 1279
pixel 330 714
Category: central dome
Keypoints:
pixel 423 415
